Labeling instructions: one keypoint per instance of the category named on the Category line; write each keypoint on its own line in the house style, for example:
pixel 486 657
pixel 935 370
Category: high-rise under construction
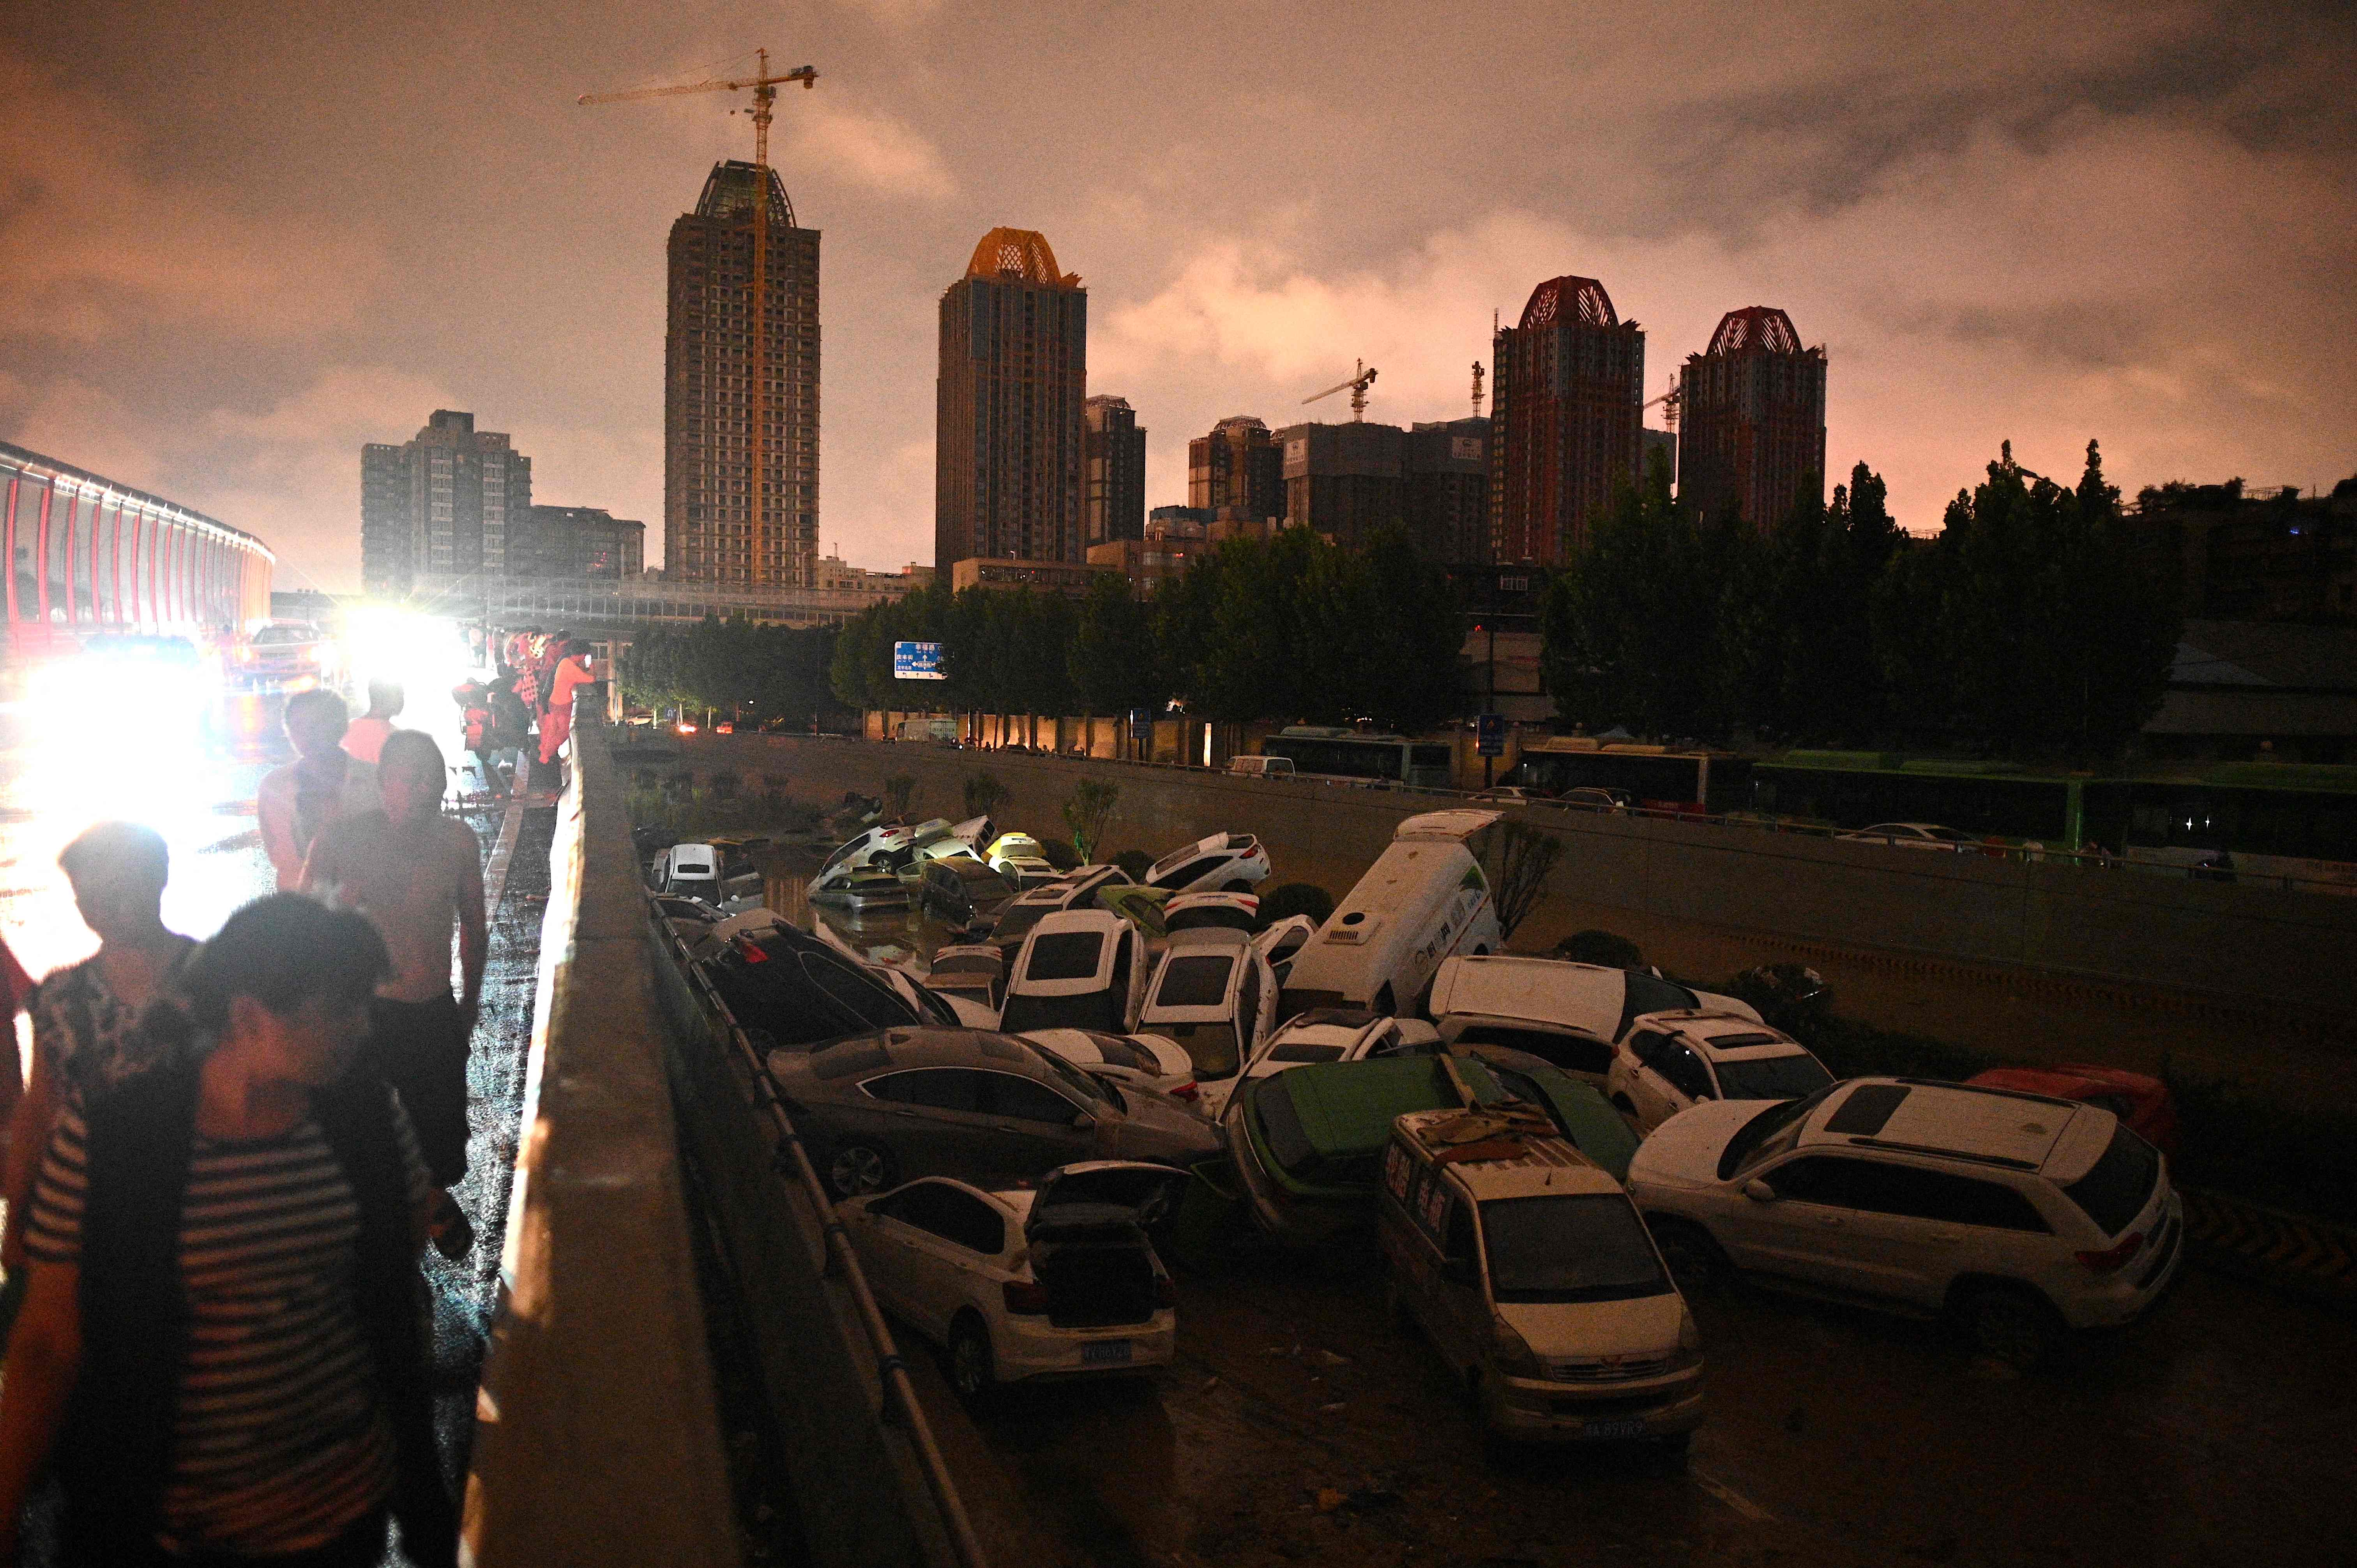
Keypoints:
pixel 1565 417
pixel 710 533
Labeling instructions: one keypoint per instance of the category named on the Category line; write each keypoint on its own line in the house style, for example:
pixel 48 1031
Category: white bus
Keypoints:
pixel 1346 757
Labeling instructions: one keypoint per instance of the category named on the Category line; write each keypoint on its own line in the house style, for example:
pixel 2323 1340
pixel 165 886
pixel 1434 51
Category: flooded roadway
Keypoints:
pixel 1299 1425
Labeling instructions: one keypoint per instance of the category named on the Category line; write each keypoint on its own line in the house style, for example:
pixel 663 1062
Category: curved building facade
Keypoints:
pixel 1751 420
pixel 89 554
pixel 1566 415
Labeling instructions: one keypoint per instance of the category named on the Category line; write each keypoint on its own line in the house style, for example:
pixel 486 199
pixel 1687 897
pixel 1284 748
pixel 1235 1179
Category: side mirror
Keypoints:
pixel 1759 1191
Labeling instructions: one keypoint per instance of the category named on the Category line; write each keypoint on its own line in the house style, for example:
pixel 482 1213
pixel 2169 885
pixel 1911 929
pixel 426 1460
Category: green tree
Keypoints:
pixel 1087 813
pixel 1114 665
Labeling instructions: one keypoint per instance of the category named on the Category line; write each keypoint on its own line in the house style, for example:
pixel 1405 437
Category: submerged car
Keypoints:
pixel 1078 969
pixel 1672 1061
pixel 2018 1216
pixel 1054 1281
pixel 862 889
pixel 880 1108
pixel 977 972
pixel 798 990
pixel 1213 997
pixel 1230 863
pixel 1326 1035
pixel 1571 1013
pixel 1307 1145
pixel 1019 857
pixel 1143 1061
pixel 961 892
pixel 1529 1270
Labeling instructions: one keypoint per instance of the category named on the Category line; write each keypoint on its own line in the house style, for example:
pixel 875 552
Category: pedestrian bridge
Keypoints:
pixel 680 1336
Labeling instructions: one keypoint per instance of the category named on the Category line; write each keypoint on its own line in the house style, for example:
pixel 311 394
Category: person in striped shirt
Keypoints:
pixel 224 1344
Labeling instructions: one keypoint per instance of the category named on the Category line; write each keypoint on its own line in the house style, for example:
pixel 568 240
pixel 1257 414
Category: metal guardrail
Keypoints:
pixel 891 1370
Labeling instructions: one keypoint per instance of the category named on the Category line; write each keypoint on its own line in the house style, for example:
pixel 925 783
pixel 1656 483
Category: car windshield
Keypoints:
pixel 1064 955
pixel 1211 1047
pixel 1773 1077
pixel 1197 982
pixel 1766 1134
pixel 1089 1010
pixel 2116 1191
pixel 1018 919
pixel 1072 1077
pixel 1562 1248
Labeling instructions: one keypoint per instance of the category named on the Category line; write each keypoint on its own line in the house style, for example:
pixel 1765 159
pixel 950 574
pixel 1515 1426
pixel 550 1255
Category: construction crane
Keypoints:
pixel 1477 389
pixel 1357 386
pixel 1669 402
pixel 764 88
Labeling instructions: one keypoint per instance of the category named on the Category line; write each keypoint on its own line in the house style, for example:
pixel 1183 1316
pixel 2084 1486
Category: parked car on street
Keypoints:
pixel 1529 1270
pixel 1055 1280
pixel 2138 1099
pixel 1422 901
pixel 1593 798
pixel 1669 1062
pixel 1143 1061
pixel 1256 767
pixel 1230 863
pixel 1914 835
pixel 1570 1014
pixel 2018 1215
pixel 963 893
pixel 881 1108
pixel 1213 997
pixel 1078 969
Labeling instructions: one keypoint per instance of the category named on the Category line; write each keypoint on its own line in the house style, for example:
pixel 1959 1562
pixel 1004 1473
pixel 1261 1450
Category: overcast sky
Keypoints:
pixel 238 239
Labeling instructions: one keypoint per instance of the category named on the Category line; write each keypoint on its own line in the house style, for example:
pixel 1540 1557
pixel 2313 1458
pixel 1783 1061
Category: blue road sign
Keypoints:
pixel 1490 736
pixel 917 661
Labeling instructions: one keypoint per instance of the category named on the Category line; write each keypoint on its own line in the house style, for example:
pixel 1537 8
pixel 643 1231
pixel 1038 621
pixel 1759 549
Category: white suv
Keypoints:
pixel 2019 1215
pixel 1670 1062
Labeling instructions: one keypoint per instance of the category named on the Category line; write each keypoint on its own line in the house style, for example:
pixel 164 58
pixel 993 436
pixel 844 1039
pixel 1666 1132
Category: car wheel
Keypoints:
pixel 859 1169
pixel 1695 1261
pixel 2014 1325
pixel 969 1361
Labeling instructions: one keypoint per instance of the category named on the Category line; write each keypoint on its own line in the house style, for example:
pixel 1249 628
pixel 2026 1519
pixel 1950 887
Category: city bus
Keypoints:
pixel 1654 777
pixel 1346 757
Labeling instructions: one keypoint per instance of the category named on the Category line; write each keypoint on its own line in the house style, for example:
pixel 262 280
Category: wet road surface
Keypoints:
pixel 1299 1425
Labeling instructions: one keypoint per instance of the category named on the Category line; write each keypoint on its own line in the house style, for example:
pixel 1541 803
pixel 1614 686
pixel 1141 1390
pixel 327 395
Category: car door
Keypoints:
pixel 1030 1126
pixel 1649 1091
pixel 1460 1301
pixel 933 1120
pixel 952 1261
pixel 883 1237
pixel 1848 1222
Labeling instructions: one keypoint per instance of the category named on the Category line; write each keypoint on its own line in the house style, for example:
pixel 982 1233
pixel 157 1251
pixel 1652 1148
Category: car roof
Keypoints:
pixel 1525 1165
pixel 1990 1126
pixel 861 1057
pixel 1722 1036
pixel 1508 985
pixel 1347 1108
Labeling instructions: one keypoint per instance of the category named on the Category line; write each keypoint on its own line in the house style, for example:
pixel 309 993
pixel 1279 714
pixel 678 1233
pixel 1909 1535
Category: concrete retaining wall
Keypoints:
pixel 2283 949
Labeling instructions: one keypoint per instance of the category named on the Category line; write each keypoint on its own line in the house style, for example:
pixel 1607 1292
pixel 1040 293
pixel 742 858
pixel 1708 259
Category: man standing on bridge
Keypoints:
pixel 323 784
pixel 415 874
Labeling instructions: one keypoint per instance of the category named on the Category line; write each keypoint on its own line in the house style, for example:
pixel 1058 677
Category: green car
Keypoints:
pixel 1307 1143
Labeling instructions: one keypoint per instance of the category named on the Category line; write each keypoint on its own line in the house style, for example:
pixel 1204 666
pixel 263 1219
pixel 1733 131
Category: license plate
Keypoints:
pixel 1106 1353
pixel 1605 1431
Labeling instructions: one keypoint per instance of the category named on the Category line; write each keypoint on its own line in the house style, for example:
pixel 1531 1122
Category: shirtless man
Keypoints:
pixel 323 784
pixel 416 875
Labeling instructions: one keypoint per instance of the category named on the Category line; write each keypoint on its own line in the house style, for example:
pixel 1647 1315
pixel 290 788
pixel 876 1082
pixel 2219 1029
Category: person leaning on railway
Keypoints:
pixel 224 1344
pixel 322 784
pixel 85 1038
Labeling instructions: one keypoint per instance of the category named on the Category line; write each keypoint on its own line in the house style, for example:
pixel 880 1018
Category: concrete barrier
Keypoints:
pixel 2282 949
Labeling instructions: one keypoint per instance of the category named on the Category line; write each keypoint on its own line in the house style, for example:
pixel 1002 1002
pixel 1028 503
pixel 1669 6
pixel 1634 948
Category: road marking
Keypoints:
pixel 1730 1497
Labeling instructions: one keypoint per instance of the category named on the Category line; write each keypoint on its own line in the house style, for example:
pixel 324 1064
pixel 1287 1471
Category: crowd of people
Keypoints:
pixel 228 1157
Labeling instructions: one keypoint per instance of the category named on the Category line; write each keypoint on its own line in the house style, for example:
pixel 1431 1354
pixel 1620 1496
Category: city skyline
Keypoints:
pixel 2042 224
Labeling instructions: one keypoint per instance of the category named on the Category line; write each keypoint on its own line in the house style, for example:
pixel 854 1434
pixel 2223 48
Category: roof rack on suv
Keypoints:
pixel 2007 1161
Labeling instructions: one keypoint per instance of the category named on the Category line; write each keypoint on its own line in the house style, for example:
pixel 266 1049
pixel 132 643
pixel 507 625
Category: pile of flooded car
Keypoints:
pixel 1103 1074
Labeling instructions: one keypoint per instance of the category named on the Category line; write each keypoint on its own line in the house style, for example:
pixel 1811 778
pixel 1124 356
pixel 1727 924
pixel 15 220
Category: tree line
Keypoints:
pixel 2030 625
pixel 734 666
pixel 1291 627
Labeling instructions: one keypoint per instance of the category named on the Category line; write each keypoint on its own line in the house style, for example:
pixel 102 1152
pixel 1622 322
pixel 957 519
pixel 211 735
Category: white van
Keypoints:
pixel 1571 1014
pixel 1424 899
pixel 689 870
pixel 1260 766
pixel 1528 1268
